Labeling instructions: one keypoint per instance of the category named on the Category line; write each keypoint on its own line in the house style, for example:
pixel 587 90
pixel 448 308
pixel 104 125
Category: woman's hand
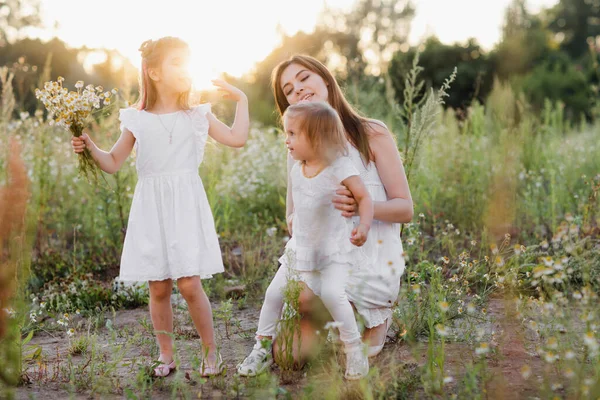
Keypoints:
pixel 344 201
pixel 228 90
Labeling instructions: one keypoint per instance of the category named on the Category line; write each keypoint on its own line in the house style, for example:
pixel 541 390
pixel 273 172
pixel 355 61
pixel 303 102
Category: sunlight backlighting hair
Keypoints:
pixel 153 54
pixel 322 126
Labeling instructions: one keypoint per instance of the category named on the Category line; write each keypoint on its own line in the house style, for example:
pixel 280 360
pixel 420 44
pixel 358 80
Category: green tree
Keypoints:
pixel 574 21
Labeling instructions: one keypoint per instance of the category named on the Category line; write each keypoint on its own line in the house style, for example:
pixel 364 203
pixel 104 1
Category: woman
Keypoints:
pixel 374 153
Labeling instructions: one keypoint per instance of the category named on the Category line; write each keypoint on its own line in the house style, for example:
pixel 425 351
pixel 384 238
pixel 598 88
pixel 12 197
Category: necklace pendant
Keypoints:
pixel 170 139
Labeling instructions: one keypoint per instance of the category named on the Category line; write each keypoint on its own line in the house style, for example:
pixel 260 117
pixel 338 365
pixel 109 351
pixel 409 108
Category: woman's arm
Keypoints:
pixel 399 206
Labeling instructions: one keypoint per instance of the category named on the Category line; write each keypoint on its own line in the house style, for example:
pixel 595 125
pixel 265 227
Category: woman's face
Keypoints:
pixel 301 84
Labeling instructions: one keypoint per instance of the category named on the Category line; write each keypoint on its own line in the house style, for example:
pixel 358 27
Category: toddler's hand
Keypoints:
pixel 359 235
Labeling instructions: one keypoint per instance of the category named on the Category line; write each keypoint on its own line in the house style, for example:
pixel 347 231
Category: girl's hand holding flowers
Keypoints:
pixel 71 110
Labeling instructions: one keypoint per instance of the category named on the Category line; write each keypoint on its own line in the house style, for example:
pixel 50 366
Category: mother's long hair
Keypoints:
pixel 355 125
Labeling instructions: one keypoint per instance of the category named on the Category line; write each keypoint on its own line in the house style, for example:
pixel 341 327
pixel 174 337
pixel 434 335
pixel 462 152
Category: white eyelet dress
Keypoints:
pixel 171 232
pixel 374 291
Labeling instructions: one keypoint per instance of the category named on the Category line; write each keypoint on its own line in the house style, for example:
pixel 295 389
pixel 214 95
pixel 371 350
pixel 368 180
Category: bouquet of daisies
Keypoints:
pixel 71 110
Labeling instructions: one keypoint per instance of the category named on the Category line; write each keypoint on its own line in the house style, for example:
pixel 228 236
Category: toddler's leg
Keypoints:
pixel 162 316
pixel 260 358
pixel 333 294
pixel 272 305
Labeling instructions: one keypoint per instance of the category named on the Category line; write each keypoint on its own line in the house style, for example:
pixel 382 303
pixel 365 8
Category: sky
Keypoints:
pixel 232 35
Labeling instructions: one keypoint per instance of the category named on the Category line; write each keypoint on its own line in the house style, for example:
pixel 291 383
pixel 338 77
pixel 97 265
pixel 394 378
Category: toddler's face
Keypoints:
pixel 301 84
pixel 174 72
pixel 296 141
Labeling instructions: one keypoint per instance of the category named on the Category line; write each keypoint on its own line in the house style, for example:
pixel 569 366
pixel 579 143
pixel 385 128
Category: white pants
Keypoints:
pixel 333 280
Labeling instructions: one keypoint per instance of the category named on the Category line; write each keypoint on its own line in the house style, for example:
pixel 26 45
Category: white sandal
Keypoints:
pixel 161 370
pixel 206 370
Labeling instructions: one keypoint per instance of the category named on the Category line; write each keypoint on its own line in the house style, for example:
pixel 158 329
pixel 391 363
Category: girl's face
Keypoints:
pixel 296 141
pixel 173 74
pixel 301 84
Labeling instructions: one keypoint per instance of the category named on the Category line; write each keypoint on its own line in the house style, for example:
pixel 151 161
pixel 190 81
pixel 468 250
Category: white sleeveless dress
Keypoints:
pixel 171 232
pixel 375 290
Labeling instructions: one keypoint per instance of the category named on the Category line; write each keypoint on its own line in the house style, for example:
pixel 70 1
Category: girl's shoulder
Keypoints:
pixel 129 112
pixel 129 119
pixel 200 110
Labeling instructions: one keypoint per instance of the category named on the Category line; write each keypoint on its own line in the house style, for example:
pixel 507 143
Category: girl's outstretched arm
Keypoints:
pixel 237 135
pixel 365 209
pixel 108 161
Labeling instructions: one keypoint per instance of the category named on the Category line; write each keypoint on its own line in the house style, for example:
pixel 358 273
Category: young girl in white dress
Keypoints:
pixel 171 233
pixel 324 247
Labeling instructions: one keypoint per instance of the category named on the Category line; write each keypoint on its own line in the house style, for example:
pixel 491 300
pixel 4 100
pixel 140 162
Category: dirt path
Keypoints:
pixel 125 345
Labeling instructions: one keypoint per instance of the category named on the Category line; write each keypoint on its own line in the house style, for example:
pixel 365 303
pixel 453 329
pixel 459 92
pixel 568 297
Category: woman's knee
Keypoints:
pixel 306 301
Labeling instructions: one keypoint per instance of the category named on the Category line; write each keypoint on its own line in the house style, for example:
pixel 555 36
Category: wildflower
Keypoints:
pixel 552 343
pixel 446 260
pixel 460 310
pixel 525 371
pixel 70 332
pixel 79 84
pixel 448 379
pixel 410 241
pixel 416 288
pixel 590 342
pixel 494 248
pixel 271 231
pixel 470 308
pixel 11 313
pixel 569 373
pixel 550 357
pixel 483 348
pixel 444 306
pixel 569 355
pixel 333 325
pixel 32 316
pixel 473 242
pixel 442 330
pixel 421 215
